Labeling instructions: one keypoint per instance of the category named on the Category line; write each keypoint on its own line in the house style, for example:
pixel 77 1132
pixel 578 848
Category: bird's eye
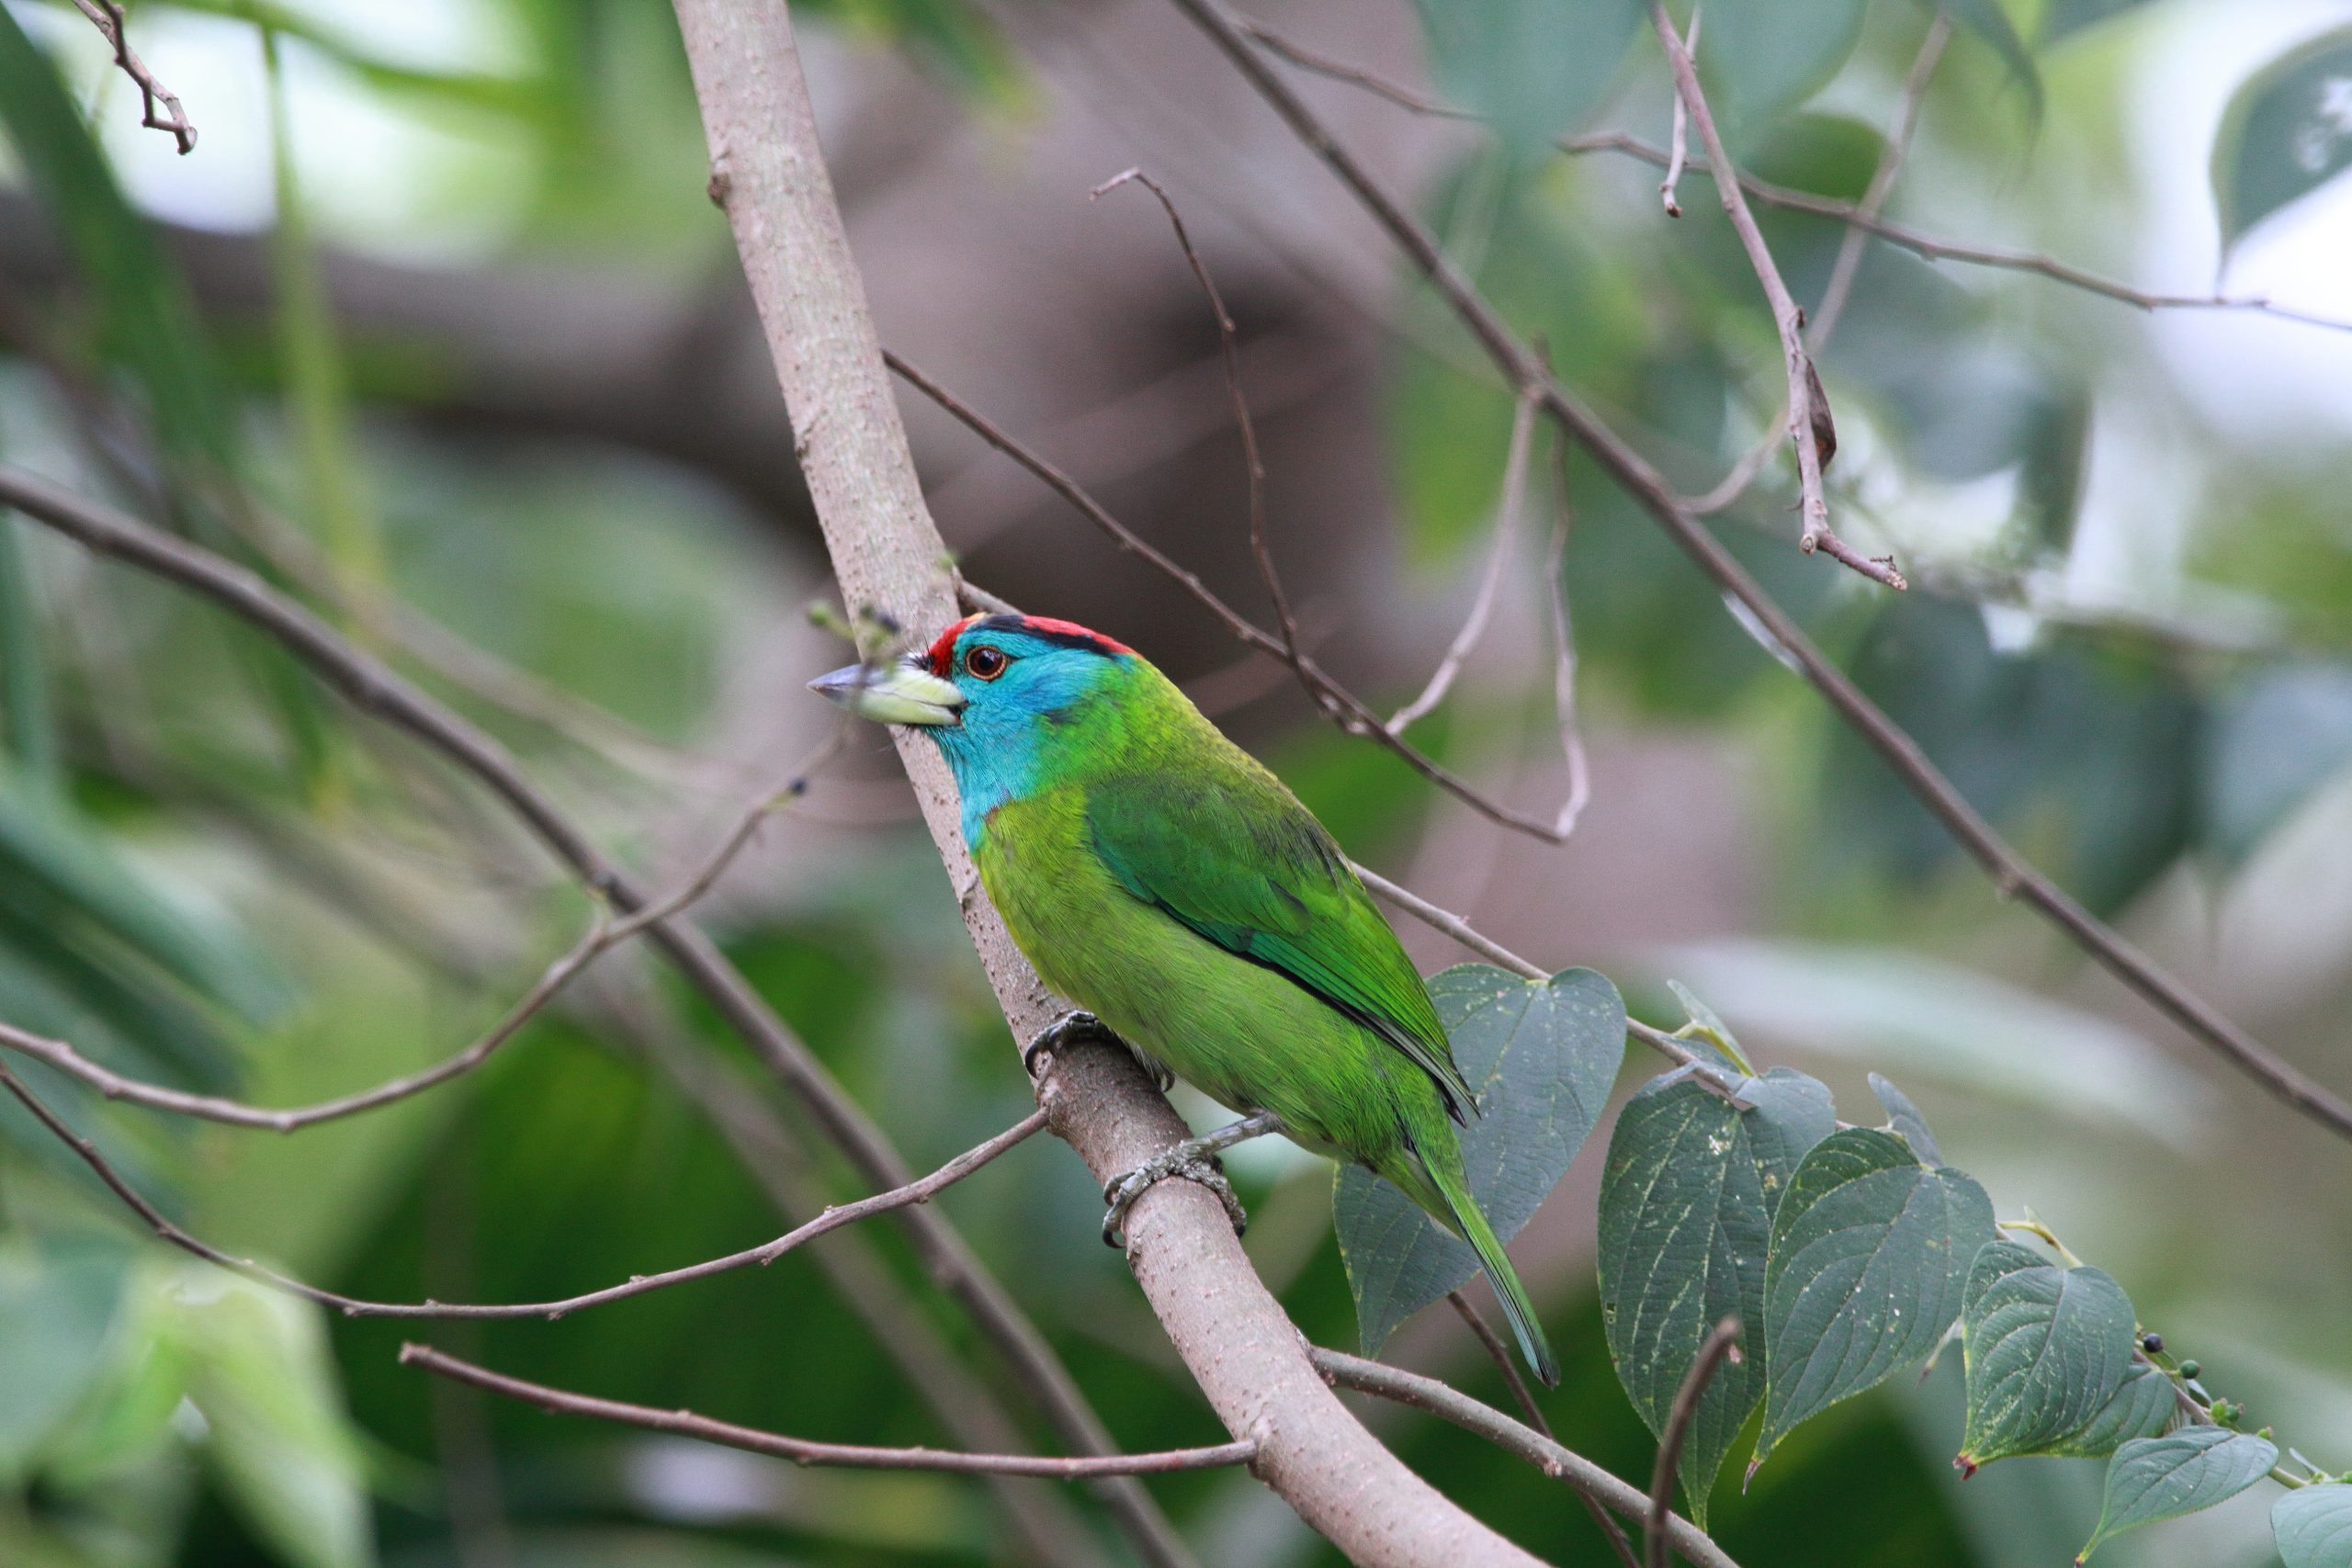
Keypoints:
pixel 985 663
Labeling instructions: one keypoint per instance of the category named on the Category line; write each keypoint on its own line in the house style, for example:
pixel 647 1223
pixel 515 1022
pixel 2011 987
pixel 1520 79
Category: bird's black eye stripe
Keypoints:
pixel 985 662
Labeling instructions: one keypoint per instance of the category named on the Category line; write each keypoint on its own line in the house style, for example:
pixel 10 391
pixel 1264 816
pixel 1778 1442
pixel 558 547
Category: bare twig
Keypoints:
pixel 1563 671
pixel 1843 271
pixel 107 17
pixel 2011 874
pixel 1322 64
pixel 921 1191
pixel 1931 246
pixel 373 687
pixel 1228 349
pixel 1350 713
pixel 1481 608
pixel 1450 1404
pixel 1809 423
pixel 804 1451
pixel 1679 137
pixel 1722 1341
pixel 1524 1397
pixel 602 935
pixel 1243 1351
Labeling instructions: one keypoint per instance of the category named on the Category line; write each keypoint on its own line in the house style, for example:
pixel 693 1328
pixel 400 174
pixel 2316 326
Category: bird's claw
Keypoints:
pixel 1186 1160
pixel 1070 1029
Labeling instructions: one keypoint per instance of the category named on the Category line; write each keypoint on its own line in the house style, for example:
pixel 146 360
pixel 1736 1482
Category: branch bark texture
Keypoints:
pixel 769 176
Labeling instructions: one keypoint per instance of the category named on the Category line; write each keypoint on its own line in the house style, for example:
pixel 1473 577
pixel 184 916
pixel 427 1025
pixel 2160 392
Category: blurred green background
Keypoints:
pixel 437 326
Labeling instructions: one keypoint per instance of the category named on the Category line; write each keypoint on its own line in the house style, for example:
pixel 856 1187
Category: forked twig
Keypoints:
pixel 107 16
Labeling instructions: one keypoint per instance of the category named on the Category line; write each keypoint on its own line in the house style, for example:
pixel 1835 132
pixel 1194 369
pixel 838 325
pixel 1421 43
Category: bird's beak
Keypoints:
pixel 897 693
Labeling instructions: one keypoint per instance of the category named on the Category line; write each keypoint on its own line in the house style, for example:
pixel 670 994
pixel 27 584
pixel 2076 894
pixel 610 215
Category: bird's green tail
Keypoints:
pixel 1472 1225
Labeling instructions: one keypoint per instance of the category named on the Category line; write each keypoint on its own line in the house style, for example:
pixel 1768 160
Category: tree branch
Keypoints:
pixel 768 169
pixel 2011 874
pixel 1722 1341
pixel 1564 1464
pixel 805 1450
pixel 1809 423
pixel 107 17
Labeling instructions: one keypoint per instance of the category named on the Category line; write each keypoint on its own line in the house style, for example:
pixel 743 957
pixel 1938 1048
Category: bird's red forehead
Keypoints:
pixel 1069 633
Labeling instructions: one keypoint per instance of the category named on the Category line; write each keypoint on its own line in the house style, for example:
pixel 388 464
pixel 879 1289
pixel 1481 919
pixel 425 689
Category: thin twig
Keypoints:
pixel 1847 266
pixel 107 17
pixel 1524 1397
pixel 2012 875
pixel 1481 608
pixel 1228 348
pixel 602 935
pixel 921 1191
pixel 1561 1463
pixel 1678 138
pixel 1346 709
pixel 1931 246
pixel 804 1451
pixel 1809 423
pixel 1722 1341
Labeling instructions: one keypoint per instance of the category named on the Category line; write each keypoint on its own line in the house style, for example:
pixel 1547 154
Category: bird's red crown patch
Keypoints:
pixel 1069 634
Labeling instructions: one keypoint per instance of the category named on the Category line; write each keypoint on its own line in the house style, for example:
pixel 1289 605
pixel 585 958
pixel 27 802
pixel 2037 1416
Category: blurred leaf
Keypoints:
pixel 2046 1349
pixel 955 38
pixel 2153 1479
pixel 1988 20
pixel 2273 740
pixel 2090 742
pixel 1535 68
pixel 1870 1253
pixel 1904 1120
pixel 1687 1202
pixel 2066 17
pixel 146 320
pixel 2142 1407
pixel 260 1374
pixel 2314 1525
pixel 2287 132
pixel 1761 58
pixel 464 89
pixel 1541 1056
pixel 31 737
pixel 58 1304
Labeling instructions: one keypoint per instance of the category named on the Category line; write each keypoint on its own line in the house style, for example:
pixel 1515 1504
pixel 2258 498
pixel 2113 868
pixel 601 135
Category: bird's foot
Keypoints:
pixel 1075 1027
pixel 1195 1160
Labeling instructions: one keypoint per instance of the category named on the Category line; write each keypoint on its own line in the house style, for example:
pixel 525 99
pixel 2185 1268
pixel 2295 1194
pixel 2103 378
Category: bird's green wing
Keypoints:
pixel 1233 855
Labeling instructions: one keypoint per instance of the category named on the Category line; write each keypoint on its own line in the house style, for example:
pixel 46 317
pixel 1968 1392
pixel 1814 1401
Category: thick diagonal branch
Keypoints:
pixel 768 171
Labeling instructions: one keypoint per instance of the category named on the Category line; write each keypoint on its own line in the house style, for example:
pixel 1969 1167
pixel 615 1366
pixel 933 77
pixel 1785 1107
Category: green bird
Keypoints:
pixel 1159 878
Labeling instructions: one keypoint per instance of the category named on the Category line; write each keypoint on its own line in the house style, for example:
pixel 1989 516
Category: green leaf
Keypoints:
pixel 1904 1120
pixel 57 1304
pixel 260 1375
pixel 2287 132
pixel 2314 1525
pixel 2067 18
pixel 2046 1348
pixel 1870 1252
pixel 1535 68
pixel 2274 741
pixel 1541 1056
pixel 2154 1479
pixel 25 720
pixel 2142 1407
pixel 1761 58
pixel 1686 1218
pixel 1989 21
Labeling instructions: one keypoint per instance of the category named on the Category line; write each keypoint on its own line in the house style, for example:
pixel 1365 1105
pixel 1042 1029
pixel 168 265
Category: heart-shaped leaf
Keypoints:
pixel 2286 132
pixel 2151 1479
pixel 2314 1525
pixel 1686 1219
pixel 2047 1347
pixel 1541 1056
pixel 2142 1407
pixel 1870 1252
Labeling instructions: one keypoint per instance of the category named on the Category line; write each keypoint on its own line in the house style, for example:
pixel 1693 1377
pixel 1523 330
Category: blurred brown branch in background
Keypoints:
pixel 107 17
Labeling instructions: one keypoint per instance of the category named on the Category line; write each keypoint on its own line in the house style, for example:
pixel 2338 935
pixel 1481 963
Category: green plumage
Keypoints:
pixel 1156 875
